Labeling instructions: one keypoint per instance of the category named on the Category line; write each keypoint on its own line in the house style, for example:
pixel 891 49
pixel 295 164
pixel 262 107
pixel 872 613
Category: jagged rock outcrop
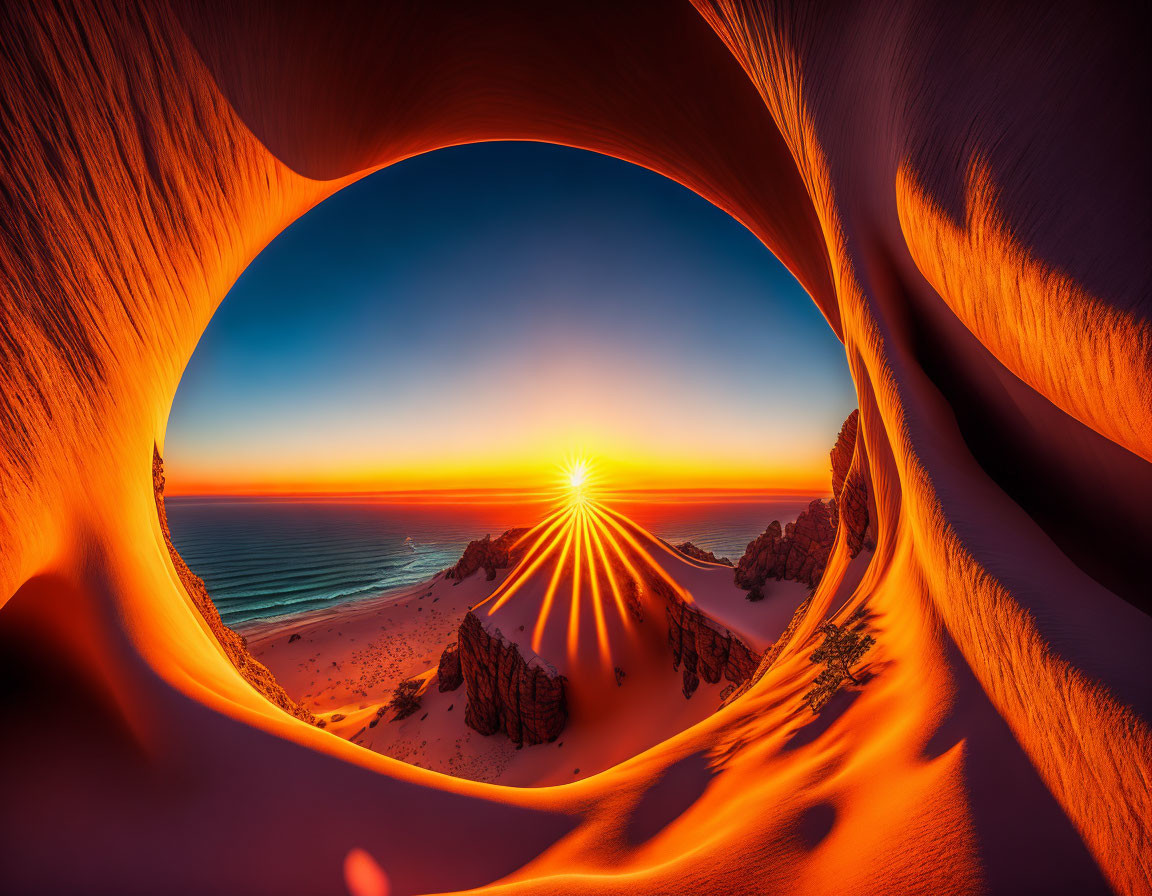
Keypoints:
pixel 489 555
pixel 706 649
pixel 524 699
pixel 690 550
pixel 800 550
pixel 763 559
pixel 448 674
pixel 809 541
pixel 255 673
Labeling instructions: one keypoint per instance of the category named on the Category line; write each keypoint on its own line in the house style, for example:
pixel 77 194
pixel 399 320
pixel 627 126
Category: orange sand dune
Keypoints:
pixel 963 193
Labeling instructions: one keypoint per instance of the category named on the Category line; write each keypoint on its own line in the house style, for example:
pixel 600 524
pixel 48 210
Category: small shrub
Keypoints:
pixel 842 649
pixel 405 700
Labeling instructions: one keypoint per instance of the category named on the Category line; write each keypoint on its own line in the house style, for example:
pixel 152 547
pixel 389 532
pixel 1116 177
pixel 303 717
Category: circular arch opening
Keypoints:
pixel 622 303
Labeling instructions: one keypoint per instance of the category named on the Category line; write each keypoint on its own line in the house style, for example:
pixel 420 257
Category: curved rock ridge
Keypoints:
pixel 255 673
pixel 961 189
pixel 489 555
pixel 523 698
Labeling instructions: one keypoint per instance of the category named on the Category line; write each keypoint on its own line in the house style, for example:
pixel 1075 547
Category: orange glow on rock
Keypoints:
pixel 152 150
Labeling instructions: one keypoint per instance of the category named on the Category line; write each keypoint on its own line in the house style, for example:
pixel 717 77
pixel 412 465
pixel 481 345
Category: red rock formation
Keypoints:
pixel 448 674
pixel 801 551
pixel 706 649
pixel 852 512
pixel 809 539
pixel 690 550
pixel 524 699
pixel 489 555
pixel 764 558
pixel 255 673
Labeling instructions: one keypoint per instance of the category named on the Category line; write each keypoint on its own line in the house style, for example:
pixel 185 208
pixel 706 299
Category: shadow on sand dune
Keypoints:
pixel 681 785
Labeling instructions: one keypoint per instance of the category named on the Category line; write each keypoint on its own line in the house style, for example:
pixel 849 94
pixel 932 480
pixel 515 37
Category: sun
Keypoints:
pixel 577 479
pixel 578 475
pixel 585 540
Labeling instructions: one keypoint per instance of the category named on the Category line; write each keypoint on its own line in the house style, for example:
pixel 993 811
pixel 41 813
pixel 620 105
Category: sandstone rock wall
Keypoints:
pixel 850 486
pixel 524 699
pixel 706 649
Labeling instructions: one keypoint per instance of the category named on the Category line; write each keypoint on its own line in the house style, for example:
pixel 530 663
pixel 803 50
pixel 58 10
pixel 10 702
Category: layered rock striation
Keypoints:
pixel 523 698
pixel 850 485
pixel 843 451
pixel 706 649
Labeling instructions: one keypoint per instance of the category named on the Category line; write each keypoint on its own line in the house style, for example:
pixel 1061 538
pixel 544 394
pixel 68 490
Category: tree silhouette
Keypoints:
pixel 842 648
pixel 404 699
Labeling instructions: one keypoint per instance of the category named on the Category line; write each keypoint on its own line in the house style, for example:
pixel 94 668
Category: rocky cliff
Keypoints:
pixel 254 672
pixel 706 649
pixel 799 551
pixel 489 555
pixel 524 699
pixel 690 550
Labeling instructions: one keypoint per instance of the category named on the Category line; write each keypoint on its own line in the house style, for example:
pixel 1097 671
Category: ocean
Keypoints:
pixel 269 557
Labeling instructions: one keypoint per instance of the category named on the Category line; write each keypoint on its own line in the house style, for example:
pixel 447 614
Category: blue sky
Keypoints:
pixel 466 317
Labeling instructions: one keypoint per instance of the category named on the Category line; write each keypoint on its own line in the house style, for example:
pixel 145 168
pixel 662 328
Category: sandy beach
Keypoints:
pixel 343 664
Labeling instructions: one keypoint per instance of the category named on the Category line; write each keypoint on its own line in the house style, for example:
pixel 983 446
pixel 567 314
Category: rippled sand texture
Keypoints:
pixel 964 196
